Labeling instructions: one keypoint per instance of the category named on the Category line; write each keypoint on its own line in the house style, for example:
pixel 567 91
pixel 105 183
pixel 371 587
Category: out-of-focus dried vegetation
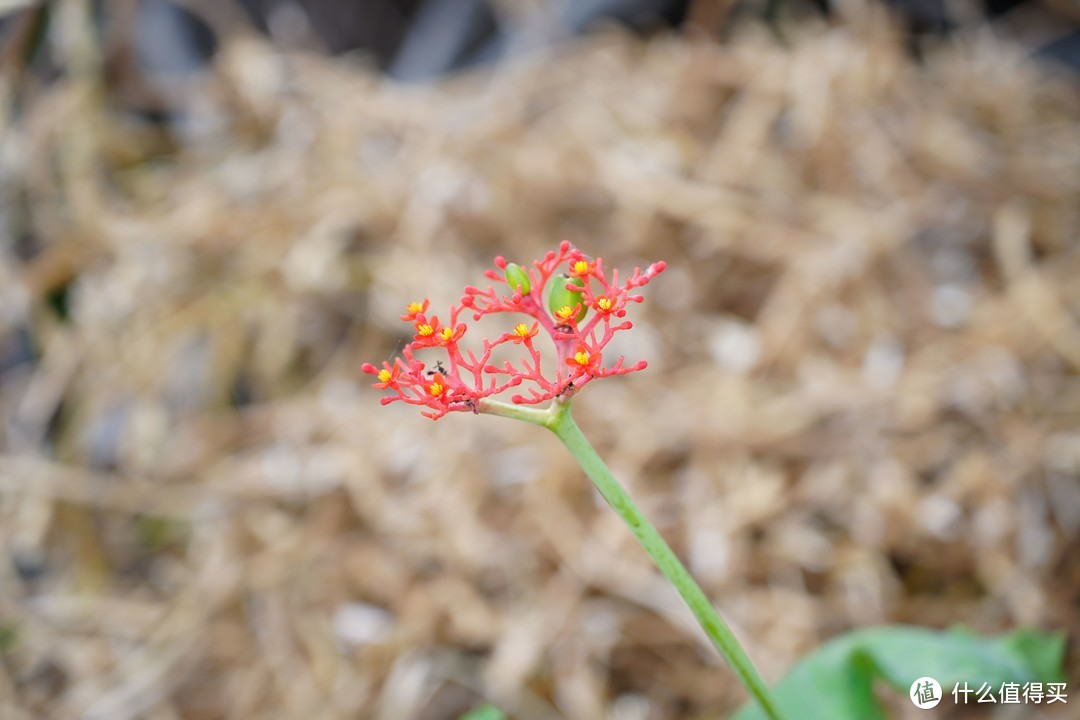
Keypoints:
pixel 863 403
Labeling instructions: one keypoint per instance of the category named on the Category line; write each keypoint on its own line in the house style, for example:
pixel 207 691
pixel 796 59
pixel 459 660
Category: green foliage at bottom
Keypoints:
pixel 484 712
pixel 836 681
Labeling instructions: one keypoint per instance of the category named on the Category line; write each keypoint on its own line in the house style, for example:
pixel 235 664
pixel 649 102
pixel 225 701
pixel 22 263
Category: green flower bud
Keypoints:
pixel 518 278
pixel 561 301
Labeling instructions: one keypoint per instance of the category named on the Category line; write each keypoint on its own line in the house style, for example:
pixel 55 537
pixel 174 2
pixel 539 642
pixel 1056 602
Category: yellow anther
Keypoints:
pixel 424 330
pixel 581 357
pixel 447 333
pixel 521 330
pixel 384 375
pixel 414 308
pixel 565 312
pixel 603 303
pixel 581 267
pixel 436 388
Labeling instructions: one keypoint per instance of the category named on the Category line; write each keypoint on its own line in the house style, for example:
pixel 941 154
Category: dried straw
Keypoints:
pixel 862 406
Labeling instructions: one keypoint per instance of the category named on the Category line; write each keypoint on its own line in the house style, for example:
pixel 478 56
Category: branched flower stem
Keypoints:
pixel 557 418
pixel 558 302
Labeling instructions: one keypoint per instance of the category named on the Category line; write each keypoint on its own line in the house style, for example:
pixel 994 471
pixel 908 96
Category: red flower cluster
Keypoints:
pixel 468 378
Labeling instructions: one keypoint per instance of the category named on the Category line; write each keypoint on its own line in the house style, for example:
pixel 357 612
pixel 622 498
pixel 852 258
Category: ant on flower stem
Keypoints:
pixel 567 391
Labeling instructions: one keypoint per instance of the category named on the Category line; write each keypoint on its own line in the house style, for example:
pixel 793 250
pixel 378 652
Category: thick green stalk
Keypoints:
pixel 560 422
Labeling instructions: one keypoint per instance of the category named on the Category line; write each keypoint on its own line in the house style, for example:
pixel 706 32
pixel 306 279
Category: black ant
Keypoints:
pixel 439 369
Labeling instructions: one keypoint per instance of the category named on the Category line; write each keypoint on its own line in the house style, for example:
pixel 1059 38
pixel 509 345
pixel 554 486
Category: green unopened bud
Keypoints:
pixel 561 301
pixel 518 278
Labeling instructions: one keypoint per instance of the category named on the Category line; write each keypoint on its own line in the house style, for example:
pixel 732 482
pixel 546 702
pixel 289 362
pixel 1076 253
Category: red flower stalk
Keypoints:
pixel 575 286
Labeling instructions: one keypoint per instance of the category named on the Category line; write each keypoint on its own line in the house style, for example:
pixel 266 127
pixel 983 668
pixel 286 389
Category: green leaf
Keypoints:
pixel 1042 652
pixel 835 682
pixel 484 712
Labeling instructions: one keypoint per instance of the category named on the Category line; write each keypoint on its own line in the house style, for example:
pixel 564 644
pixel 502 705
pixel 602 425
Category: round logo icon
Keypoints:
pixel 925 693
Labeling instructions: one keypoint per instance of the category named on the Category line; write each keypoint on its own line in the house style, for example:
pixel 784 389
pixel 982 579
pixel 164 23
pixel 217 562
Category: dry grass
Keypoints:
pixel 862 406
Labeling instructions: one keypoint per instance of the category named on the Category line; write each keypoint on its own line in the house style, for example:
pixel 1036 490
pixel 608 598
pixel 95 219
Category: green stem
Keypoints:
pixel 518 412
pixel 557 419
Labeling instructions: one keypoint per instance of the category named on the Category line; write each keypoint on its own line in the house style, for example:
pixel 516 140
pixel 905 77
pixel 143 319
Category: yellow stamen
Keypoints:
pixel 436 388
pixel 581 357
pixel 414 308
pixel 603 303
pixel 424 330
pixel 565 312
pixel 447 333
pixel 581 267
pixel 521 330
pixel 384 376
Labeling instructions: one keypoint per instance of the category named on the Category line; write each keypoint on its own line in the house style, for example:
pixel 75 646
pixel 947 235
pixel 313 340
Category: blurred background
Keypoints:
pixel 862 404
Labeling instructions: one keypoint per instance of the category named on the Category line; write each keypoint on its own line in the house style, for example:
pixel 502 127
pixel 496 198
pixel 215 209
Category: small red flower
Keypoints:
pixel 523 333
pixel 449 335
pixel 414 309
pixel 388 375
pixel 428 332
pixel 580 268
pixel 566 313
pixel 605 305
pixel 583 361
pixel 437 387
